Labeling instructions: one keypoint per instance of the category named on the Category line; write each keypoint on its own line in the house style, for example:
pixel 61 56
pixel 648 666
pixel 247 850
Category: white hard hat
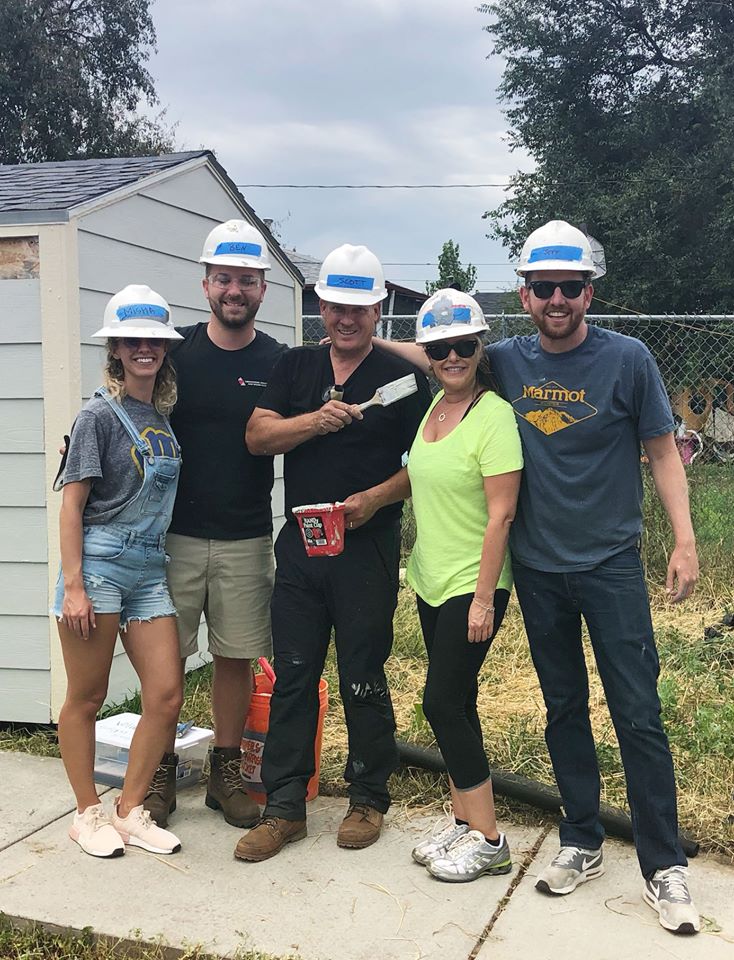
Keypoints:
pixel 448 313
pixel 236 243
pixel 558 246
pixel 351 275
pixel 138 311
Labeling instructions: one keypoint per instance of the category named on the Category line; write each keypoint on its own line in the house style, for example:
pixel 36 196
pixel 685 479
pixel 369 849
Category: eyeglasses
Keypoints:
pixel 441 349
pixel 132 343
pixel 221 281
pixel 544 289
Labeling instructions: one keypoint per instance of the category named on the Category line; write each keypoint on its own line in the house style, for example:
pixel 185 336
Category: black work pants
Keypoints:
pixel 354 593
pixel 450 695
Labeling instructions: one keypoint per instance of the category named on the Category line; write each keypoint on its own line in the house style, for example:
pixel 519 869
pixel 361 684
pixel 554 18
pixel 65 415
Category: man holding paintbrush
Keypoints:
pixel 335 452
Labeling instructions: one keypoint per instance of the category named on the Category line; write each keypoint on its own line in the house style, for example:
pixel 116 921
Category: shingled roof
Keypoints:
pixel 39 187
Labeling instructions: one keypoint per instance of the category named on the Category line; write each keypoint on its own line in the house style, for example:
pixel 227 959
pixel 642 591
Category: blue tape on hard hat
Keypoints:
pixel 348 282
pixel 461 315
pixel 429 320
pixel 237 247
pixel 152 311
pixel 559 252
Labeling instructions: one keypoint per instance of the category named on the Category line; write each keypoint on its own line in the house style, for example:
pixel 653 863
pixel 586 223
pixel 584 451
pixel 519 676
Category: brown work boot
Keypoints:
pixel 226 791
pixel 360 827
pixel 268 838
pixel 160 800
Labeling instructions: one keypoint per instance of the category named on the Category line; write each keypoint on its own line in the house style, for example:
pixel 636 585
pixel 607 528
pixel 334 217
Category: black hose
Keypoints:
pixel 615 821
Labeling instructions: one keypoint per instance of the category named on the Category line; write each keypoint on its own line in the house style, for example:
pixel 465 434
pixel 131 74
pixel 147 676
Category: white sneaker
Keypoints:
pixel 667 892
pixel 95 834
pixel 137 829
pixel 445 831
pixel 570 867
pixel 470 857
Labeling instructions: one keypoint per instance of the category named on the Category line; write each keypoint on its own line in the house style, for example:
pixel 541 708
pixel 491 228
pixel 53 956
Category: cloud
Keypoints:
pixel 345 91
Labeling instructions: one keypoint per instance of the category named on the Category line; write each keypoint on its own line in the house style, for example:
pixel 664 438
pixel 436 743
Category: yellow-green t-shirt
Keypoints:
pixel 447 482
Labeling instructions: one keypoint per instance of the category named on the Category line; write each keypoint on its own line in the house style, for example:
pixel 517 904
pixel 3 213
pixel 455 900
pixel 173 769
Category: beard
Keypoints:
pixel 557 330
pixel 248 312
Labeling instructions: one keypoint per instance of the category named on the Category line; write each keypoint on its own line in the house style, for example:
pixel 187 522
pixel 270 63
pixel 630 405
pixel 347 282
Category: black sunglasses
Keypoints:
pixel 462 348
pixel 132 343
pixel 544 289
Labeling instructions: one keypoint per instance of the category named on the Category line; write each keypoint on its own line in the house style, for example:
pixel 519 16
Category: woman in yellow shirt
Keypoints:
pixel 464 468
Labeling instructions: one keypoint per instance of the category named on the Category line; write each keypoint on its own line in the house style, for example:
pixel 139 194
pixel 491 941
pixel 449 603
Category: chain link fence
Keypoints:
pixel 695 355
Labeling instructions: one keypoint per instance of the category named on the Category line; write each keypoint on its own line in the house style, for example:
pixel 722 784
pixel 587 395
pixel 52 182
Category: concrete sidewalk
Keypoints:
pixel 321 903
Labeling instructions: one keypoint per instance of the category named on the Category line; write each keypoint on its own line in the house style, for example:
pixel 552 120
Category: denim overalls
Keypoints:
pixel 124 561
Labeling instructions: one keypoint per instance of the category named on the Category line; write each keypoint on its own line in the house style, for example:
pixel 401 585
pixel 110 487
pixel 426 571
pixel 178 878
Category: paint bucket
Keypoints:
pixel 255 733
pixel 322 528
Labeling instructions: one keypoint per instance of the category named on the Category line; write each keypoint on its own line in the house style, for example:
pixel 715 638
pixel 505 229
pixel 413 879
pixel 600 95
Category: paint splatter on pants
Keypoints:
pixel 354 594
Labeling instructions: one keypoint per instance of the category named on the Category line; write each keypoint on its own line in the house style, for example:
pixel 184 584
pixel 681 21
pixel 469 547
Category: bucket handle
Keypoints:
pixel 266 668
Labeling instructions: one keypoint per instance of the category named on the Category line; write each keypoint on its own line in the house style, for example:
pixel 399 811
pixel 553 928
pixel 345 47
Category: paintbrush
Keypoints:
pixel 390 392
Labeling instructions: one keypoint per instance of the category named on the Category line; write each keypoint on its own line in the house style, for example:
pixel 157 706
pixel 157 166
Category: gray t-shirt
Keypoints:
pixel 581 416
pixel 101 449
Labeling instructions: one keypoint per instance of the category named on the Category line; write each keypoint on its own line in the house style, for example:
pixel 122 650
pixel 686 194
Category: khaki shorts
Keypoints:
pixel 230 582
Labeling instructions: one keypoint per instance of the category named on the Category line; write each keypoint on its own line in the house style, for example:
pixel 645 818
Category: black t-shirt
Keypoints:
pixel 223 491
pixel 366 452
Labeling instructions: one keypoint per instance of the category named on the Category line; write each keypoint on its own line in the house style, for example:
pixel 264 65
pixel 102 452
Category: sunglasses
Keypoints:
pixel 462 348
pixel 544 289
pixel 132 343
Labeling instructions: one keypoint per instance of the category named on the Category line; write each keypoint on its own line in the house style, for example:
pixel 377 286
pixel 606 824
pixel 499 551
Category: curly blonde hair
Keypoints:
pixel 165 392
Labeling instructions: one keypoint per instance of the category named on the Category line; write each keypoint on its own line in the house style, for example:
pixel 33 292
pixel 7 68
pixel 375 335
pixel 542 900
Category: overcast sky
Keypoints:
pixel 346 91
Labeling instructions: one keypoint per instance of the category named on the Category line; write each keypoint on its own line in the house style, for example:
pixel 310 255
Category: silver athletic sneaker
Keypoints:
pixel 471 856
pixel 445 831
pixel 570 867
pixel 667 892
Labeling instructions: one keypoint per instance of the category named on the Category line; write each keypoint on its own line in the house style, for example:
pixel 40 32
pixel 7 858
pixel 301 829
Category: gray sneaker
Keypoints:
pixel 667 892
pixel 570 867
pixel 445 831
pixel 469 857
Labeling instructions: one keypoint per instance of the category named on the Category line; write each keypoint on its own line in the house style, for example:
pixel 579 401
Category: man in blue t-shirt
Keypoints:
pixel 585 398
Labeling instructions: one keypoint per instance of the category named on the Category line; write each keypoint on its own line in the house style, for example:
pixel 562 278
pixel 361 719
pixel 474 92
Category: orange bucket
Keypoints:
pixel 322 528
pixel 255 733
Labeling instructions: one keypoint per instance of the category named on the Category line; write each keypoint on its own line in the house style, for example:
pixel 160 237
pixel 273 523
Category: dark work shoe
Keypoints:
pixel 226 790
pixel 360 828
pixel 269 837
pixel 160 800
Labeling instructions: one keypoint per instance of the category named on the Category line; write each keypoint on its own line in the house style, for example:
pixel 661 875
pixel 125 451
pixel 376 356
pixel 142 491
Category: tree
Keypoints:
pixel 450 271
pixel 72 76
pixel 627 109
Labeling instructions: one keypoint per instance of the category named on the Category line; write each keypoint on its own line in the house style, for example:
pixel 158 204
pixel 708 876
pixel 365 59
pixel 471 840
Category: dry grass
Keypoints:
pixel 697 692
pixel 696 687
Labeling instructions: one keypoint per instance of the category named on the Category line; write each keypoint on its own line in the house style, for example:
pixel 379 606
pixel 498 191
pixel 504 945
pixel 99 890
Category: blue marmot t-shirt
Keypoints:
pixel 581 415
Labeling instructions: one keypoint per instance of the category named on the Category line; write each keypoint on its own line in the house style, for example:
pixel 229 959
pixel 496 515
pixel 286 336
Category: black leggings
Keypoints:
pixel 450 696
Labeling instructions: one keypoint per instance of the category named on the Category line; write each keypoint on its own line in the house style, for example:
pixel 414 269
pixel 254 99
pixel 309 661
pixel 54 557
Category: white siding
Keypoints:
pixel 21 426
pixel 21 371
pixel 93 360
pixel 20 314
pixel 24 535
pixel 24 644
pixel 25 695
pixel 200 192
pixel 22 480
pixel 24 591
pixel 24 650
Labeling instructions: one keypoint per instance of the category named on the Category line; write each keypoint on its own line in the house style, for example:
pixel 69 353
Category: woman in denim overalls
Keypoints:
pixel 119 488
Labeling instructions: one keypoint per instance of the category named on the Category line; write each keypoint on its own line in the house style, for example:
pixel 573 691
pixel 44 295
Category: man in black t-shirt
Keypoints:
pixel 220 538
pixel 334 452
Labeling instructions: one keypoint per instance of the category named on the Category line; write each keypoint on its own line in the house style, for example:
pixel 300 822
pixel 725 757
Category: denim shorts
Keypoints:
pixel 123 573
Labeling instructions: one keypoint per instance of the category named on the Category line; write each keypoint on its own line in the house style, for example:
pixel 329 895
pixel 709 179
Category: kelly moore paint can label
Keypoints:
pixel 322 528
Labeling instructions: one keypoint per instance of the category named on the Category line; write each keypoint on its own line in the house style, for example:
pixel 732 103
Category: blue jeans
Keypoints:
pixel 612 599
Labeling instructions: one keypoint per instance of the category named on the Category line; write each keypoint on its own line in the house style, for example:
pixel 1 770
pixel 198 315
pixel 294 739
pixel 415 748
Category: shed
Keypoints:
pixel 71 235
